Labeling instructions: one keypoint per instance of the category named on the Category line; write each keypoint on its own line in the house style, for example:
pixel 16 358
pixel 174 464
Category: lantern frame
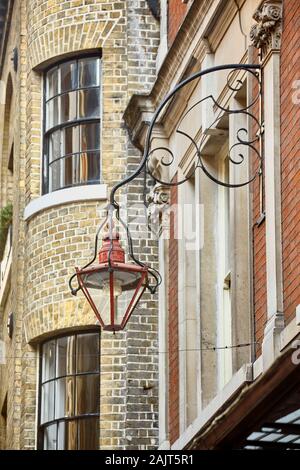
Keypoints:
pixel 111 267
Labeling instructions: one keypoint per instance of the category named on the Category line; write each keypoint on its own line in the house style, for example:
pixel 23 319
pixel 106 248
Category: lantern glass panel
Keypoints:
pixel 124 285
pixel 127 292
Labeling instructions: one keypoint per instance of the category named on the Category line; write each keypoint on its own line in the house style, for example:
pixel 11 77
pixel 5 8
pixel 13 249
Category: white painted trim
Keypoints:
pixel 272 185
pixel 275 324
pixel 257 368
pixel 241 377
pixel 181 286
pixel 162 52
pixel 91 192
pixel 165 446
pixel 290 332
pixel 199 219
pixel 163 347
pixel 298 314
pixel 163 46
pixel 224 311
pixel 4 284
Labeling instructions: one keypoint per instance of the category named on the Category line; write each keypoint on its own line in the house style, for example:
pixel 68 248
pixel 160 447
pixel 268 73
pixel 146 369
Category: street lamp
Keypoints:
pixel 112 287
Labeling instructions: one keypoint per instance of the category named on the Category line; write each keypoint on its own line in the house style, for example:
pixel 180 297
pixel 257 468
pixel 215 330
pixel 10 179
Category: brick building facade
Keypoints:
pixel 229 312
pixel 70 68
pixel 223 334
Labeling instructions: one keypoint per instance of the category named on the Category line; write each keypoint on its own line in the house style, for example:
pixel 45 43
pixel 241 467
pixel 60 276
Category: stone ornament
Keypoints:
pixel 266 34
pixel 157 211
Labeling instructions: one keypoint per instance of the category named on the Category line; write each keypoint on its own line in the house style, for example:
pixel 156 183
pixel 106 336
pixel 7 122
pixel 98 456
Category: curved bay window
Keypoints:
pixel 72 124
pixel 70 393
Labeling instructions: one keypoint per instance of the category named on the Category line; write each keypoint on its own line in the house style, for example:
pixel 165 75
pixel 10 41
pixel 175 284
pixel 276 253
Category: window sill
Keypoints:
pixel 91 192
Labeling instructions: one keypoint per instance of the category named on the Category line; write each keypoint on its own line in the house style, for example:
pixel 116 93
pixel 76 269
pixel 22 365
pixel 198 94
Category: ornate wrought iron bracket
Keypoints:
pixel 248 143
pixel 234 85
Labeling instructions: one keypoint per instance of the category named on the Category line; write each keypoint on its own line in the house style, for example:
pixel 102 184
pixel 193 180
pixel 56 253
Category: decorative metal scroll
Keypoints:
pixel 246 144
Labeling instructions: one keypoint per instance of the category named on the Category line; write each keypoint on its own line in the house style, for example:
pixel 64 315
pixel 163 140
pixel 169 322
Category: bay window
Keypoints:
pixel 70 393
pixel 72 124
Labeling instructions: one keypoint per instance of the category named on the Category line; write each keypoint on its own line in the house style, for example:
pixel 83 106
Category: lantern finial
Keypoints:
pixel 111 250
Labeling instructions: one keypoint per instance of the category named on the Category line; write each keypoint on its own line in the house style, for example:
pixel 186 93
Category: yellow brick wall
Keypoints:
pixel 6 367
pixel 47 247
pixel 10 373
pixel 58 239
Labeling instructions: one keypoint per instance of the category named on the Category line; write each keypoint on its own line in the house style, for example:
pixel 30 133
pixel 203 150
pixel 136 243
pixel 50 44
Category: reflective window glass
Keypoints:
pixel 88 103
pixel 89 72
pixel 68 75
pixel 72 123
pixel 70 388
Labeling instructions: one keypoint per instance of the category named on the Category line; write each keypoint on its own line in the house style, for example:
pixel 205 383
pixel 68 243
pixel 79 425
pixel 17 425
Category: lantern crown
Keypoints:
pixel 111 250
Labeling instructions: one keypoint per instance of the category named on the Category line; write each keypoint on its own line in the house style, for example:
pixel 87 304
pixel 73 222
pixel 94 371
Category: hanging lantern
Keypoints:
pixel 112 287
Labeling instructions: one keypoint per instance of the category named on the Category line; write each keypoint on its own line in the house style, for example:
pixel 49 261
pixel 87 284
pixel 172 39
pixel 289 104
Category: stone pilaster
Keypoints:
pixel 266 35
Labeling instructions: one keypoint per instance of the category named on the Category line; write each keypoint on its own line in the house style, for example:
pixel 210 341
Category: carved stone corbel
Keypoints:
pixel 158 215
pixel 266 34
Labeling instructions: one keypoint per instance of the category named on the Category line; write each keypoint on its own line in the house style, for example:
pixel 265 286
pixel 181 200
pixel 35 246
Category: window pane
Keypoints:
pixel 54 146
pixel 89 106
pixel 70 136
pixel 71 435
pixel 88 434
pixel 68 171
pixel 87 352
pixel 84 166
pixel 76 169
pixel 52 108
pixel 89 72
pixel 67 435
pixel 50 437
pixel 61 435
pixel 87 394
pixel 54 175
pixel 68 107
pixel 65 356
pixel 47 406
pixel 60 398
pixel 90 137
pixel 52 83
pixel 93 171
pixel 48 367
pixel 68 72
pixel 45 171
pixel 64 397
pixel 71 170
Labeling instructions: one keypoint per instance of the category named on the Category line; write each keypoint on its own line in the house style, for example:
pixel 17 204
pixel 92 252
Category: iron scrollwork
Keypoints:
pixel 242 140
pixel 247 143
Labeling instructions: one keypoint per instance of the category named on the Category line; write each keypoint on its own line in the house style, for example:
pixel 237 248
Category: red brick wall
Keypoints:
pixel 173 326
pixel 290 157
pixel 259 245
pixel 259 273
pixel 176 13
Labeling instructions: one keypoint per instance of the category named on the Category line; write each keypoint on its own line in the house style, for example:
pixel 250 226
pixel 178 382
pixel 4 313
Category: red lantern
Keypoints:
pixel 112 287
